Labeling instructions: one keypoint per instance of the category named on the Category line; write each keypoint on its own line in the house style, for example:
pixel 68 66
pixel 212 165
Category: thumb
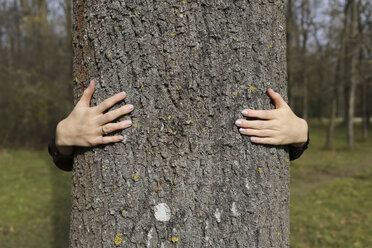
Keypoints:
pixel 277 98
pixel 87 95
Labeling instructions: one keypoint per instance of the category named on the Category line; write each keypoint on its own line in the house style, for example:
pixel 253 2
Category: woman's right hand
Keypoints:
pixel 86 126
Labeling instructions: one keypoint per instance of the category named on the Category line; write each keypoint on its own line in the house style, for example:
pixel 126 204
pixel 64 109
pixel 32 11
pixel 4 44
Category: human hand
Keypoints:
pixel 86 126
pixel 279 126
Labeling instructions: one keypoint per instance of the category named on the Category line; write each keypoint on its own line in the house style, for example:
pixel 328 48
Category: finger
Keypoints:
pixel 254 124
pixel 107 139
pixel 109 102
pixel 111 127
pixel 277 98
pixel 262 114
pixel 87 95
pixel 255 132
pixel 114 114
pixel 265 140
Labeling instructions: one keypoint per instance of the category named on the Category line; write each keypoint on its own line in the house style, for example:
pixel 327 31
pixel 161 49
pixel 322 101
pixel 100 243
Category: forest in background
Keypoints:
pixel 35 70
pixel 329 47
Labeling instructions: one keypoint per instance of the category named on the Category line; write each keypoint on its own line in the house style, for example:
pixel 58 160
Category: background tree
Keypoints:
pixel 35 70
pixel 183 173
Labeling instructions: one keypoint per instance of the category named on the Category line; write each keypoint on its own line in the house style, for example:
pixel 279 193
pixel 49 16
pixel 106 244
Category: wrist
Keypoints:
pixel 61 137
pixel 303 134
pixel 62 142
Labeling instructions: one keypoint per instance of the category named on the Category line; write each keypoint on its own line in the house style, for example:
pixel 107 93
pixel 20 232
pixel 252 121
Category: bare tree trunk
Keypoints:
pixel 365 110
pixel 183 176
pixel 332 119
pixel 304 22
pixel 305 97
pixel 354 58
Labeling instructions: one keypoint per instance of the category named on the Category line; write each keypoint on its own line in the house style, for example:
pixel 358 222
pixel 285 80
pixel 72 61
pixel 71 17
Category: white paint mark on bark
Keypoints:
pixel 206 228
pixel 217 214
pixel 162 212
pixel 149 238
pixel 234 210
pixel 247 185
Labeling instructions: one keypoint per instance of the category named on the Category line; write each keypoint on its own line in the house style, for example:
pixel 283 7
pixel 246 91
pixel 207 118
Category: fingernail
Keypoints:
pixel 238 123
pixel 128 122
pixel 242 130
pixel 91 84
pixel 253 139
pixel 122 94
pixel 130 107
pixel 120 138
pixel 244 112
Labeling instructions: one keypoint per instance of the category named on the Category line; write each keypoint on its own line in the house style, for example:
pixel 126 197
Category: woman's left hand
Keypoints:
pixel 279 126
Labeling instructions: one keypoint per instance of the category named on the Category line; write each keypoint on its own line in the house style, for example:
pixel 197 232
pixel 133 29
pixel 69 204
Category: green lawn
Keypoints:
pixel 331 193
pixel 331 204
pixel 34 201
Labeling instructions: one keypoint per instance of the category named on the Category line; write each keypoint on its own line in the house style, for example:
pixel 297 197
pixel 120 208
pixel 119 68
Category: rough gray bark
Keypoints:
pixel 183 176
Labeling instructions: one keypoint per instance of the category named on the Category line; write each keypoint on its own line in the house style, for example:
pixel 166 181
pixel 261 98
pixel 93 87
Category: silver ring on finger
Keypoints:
pixel 103 131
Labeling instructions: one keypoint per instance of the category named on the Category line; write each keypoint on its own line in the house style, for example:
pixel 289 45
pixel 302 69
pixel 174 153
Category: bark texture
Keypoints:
pixel 183 176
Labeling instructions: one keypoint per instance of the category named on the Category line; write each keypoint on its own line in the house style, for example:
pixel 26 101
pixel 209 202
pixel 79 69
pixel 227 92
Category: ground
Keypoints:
pixel 331 204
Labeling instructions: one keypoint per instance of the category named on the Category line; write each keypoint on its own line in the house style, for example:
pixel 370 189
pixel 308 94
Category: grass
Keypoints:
pixel 34 201
pixel 331 204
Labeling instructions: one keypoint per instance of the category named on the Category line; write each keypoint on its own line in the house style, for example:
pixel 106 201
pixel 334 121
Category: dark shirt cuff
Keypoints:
pixel 296 152
pixel 61 161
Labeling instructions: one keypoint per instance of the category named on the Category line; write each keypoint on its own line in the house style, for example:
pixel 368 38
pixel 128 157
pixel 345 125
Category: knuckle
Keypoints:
pixel 259 133
pixel 110 116
pixel 108 129
pixel 116 126
pixel 247 132
pixel 105 104
pixel 263 114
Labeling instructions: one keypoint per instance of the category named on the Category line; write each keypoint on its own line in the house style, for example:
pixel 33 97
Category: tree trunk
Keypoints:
pixel 354 58
pixel 331 125
pixel 339 78
pixel 183 175
pixel 305 14
pixel 365 110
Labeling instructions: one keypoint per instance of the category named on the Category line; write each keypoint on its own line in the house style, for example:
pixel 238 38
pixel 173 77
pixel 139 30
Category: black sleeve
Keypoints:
pixel 296 152
pixel 61 161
